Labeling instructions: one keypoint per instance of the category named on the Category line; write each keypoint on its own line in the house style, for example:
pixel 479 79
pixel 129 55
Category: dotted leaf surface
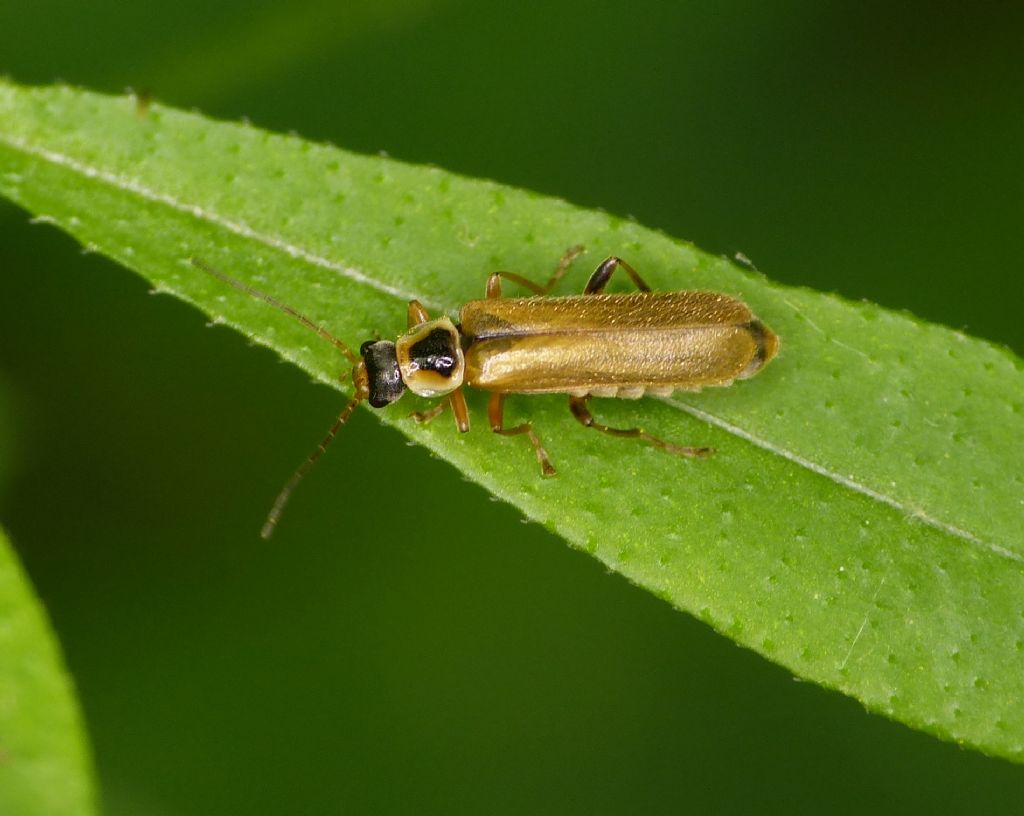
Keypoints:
pixel 860 523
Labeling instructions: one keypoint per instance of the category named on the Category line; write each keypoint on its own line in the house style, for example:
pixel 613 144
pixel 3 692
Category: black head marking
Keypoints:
pixel 435 352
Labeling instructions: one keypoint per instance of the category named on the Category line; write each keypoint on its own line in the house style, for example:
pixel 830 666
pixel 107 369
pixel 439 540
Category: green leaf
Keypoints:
pixel 44 760
pixel 860 521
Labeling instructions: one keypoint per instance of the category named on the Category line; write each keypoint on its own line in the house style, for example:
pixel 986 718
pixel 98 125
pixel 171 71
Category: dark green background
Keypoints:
pixel 405 645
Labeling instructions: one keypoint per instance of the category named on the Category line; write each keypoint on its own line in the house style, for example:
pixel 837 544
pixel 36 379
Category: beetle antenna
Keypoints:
pixel 273 301
pixel 286 492
pixel 361 393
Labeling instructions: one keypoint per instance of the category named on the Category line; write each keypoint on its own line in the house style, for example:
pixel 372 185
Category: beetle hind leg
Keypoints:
pixel 604 272
pixel 496 415
pixel 578 406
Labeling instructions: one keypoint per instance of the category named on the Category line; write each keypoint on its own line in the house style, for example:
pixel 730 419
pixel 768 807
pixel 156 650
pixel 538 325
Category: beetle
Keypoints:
pixel 589 345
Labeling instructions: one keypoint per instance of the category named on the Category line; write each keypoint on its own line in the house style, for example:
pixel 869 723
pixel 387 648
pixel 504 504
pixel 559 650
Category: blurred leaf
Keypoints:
pixel 254 49
pixel 860 522
pixel 7 441
pixel 44 762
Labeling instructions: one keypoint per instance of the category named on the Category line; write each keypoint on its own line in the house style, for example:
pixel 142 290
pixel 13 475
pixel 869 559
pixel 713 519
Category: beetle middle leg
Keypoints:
pixel 578 406
pixel 496 415
pixel 494 280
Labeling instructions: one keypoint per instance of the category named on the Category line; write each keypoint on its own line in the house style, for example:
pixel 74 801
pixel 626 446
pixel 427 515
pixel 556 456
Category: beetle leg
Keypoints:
pixel 496 415
pixel 578 406
pixel 458 403
pixel 604 272
pixel 434 411
pixel 494 281
pixel 417 314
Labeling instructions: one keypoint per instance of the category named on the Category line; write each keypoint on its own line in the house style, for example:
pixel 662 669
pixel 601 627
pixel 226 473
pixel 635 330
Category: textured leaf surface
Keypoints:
pixel 44 763
pixel 860 523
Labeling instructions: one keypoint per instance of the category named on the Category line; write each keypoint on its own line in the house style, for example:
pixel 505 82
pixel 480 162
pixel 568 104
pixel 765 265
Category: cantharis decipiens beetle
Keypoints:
pixel 589 345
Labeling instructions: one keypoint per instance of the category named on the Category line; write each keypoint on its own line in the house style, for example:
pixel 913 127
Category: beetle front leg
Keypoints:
pixel 578 406
pixel 417 314
pixel 496 415
pixel 430 414
pixel 458 405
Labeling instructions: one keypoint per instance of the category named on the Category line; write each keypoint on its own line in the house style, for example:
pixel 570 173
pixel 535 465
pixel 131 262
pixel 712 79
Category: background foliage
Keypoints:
pixel 44 763
pixel 429 668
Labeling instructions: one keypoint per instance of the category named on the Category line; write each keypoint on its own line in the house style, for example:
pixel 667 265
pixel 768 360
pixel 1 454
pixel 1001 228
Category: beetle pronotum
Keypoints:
pixel 589 345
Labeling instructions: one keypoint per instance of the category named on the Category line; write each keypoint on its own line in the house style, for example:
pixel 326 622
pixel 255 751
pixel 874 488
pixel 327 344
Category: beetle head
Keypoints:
pixel 378 374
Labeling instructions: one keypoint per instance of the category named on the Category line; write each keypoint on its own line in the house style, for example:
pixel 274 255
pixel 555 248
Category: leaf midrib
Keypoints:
pixel 125 184
pixel 845 481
